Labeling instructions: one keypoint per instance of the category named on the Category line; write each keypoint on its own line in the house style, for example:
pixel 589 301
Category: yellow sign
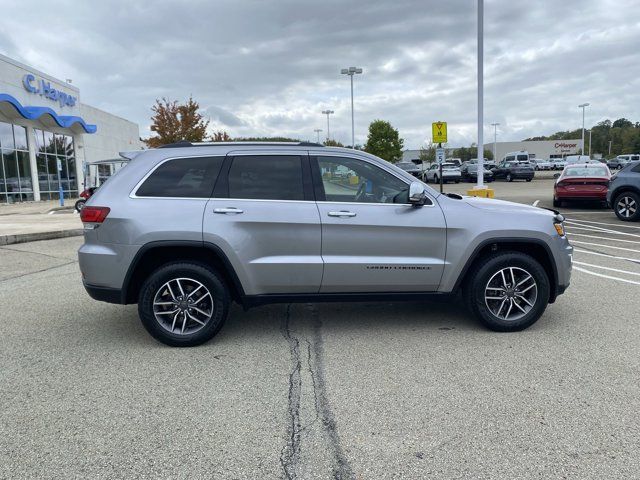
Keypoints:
pixel 439 132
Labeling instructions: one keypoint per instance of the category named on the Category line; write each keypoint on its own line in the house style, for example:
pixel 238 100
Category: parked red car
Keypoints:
pixel 582 181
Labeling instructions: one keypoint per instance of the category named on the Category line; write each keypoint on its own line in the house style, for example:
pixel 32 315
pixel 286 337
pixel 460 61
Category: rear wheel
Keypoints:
pixel 183 304
pixel 556 202
pixel 507 291
pixel 509 177
pixel 627 206
pixel 79 205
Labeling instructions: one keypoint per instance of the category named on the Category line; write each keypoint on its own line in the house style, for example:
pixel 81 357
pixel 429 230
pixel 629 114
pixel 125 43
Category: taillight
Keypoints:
pixel 561 184
pixel 94 214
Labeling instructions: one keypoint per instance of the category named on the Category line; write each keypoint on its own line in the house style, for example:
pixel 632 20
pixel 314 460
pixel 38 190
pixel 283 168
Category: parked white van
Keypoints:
pixel 521 156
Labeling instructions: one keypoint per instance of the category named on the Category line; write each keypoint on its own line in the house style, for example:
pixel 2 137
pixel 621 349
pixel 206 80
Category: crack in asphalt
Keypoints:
pixel 37 271
pixel 290 455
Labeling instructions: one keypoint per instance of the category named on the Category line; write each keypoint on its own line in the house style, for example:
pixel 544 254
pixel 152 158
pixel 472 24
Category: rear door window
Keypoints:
pixel 266 177
pixel 192 177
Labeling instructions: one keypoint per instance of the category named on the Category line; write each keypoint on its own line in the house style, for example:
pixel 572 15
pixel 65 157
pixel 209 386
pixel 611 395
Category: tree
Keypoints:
pixel 220 136
pixel 428 154
pixel 332 143
pixel 174 122
pixel 384 141
pixel 265 139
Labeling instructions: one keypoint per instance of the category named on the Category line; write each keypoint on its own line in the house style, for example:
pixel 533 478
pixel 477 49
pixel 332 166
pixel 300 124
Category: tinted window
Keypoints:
pixel 183 177
pixel 353 180
pixel 266 177
pixel 523 158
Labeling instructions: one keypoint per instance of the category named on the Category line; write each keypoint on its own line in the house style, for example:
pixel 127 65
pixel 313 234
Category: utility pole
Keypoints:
pixel 495 134
pixel 583 106
pixel 351 71
pixel 327 113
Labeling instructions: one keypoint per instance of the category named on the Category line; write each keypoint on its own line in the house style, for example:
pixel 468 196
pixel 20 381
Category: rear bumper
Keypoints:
pixel 581 196
pixel 104 294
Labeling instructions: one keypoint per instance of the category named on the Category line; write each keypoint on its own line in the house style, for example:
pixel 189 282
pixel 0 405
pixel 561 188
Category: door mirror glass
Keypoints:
pixel 416 193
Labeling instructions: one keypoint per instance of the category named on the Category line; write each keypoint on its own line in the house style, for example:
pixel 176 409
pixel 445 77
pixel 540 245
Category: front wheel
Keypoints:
pixel 183 304
pixel 79 205
pixel 627 206
pixel 507 291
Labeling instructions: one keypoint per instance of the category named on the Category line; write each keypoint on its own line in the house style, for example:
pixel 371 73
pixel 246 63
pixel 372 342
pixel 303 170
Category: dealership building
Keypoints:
pixel 544 149
pixel 49 138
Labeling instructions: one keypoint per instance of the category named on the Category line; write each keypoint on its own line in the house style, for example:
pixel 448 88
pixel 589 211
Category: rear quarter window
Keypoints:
pixel 183 177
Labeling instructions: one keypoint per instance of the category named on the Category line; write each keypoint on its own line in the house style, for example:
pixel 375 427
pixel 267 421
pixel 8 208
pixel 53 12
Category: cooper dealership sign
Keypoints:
pixel 44 89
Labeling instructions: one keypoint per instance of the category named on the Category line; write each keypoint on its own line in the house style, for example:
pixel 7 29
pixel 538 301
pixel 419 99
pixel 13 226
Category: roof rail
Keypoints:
pixel 185 143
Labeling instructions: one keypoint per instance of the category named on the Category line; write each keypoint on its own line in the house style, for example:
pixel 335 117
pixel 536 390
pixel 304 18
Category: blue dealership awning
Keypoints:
pixel 35 113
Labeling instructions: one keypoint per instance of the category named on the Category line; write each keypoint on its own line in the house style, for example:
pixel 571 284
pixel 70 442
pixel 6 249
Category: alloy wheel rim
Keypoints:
pixel 183 306
pixel 511 293
pixel 627 207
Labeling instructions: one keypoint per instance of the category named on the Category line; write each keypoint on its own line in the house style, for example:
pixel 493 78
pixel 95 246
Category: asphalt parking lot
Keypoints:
pixel 369 390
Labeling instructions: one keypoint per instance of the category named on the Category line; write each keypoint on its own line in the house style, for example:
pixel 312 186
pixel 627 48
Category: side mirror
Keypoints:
pixel 556 175
pixel 416 193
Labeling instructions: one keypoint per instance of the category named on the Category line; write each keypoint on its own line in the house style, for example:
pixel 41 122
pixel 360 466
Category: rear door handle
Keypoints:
pixel 227 210
pixel 342 213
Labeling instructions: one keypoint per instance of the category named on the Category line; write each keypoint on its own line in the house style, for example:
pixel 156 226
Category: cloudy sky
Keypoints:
pixel 270 67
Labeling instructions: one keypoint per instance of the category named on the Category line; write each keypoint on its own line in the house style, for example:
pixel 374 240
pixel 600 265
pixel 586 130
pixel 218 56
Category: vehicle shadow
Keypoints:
pixel 263 322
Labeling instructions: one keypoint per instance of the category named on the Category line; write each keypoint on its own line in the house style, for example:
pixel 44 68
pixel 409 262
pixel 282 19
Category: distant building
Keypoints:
pixel 539 148
pixel 48 137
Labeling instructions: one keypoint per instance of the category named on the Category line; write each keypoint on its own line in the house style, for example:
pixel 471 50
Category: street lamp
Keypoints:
pixel 583 106
pixel 327 113
pixel 495 134
pixel 590 143
pixel 480 93
pixel 351 71
pixel 318 130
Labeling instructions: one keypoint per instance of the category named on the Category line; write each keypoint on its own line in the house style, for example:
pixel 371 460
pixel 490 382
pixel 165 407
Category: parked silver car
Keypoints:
pixel 183 231
pixel 450 173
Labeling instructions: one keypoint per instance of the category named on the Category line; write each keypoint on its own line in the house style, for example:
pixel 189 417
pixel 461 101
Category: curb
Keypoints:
pixel 34 237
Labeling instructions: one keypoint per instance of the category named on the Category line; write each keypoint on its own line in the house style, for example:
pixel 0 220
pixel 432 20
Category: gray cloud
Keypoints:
pixel 269 68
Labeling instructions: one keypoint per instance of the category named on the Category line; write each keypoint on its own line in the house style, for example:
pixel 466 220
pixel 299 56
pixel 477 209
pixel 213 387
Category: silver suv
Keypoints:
pixel 184 230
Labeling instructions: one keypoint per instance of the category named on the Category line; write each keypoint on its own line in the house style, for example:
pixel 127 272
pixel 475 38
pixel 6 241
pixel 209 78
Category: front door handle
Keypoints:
pixel 227 210
pixel 342 213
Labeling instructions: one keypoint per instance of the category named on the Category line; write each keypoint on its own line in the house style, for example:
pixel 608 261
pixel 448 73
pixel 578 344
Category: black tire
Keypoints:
pixel 529 179
pixel 556 202
pixel 509 178
pixel 627 206
pixel 436 179
pixel 79 205
pixel 457 181
pixel 219 303
pixel 482 273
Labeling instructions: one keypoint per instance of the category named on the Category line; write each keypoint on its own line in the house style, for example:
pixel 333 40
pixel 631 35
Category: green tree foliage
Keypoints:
pixel 384 141
pixel 173 122
pixel 467 153
pixel 623 134
pixel 332 143
pixel 428 154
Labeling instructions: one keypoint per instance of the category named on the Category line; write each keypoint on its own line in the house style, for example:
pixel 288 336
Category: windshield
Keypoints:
pixel 588 171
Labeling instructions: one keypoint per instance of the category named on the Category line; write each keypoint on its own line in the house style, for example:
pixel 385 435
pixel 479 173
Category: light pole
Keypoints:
pixel 318 130
pixel 583 106
pixel 480 93
pixel 495 134
pixel 351 71
pixel 327 113
pixel 590 143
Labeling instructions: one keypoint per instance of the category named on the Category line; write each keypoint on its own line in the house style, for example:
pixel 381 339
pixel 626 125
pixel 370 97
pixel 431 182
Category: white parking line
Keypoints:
pixel 604 238
pixel 610 224
pixel 590 229
pixel 594 228
pixel 598 254
pixel 606 246
pixel 606 268
pixel 584 270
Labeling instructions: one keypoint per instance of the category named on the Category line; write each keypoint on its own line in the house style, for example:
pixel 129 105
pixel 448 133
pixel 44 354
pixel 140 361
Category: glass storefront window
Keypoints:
pixel 15 184
pixel 53 147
